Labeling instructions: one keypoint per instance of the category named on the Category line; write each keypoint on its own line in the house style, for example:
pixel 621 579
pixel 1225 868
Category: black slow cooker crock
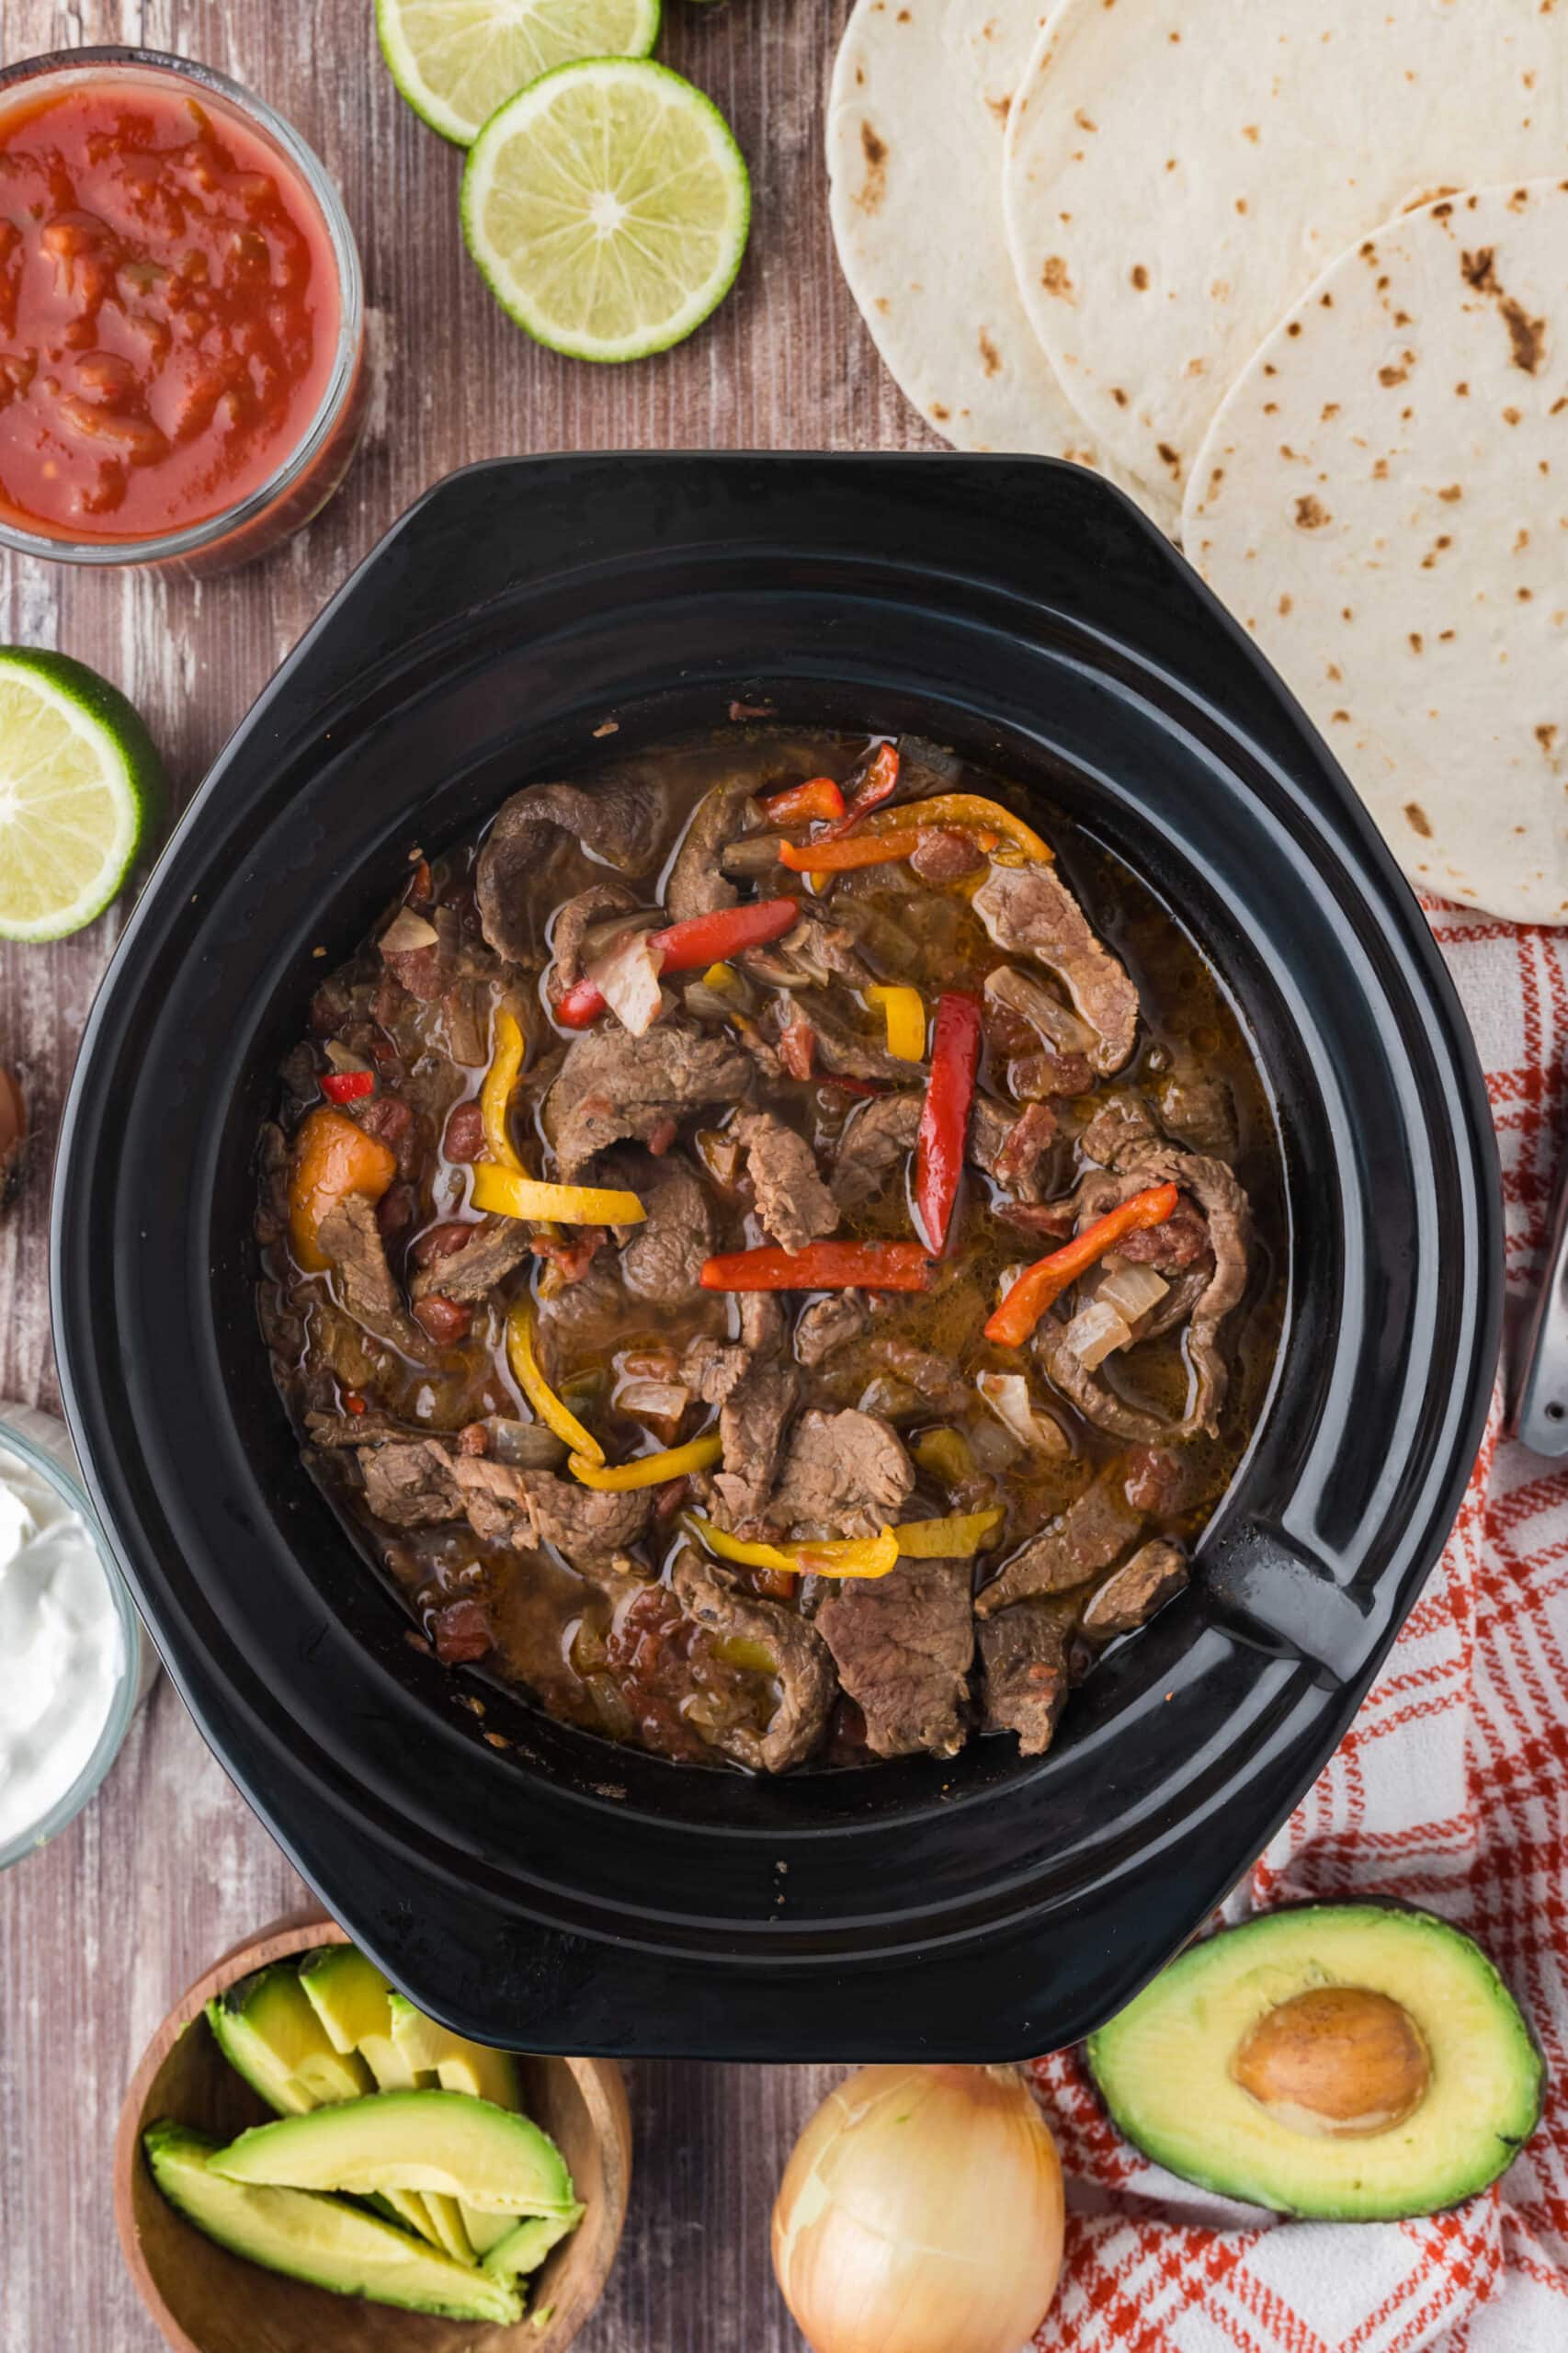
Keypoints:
pixel 530 1883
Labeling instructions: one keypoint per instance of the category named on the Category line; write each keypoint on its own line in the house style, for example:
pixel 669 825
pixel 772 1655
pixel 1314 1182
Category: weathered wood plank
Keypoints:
pixel 99 1934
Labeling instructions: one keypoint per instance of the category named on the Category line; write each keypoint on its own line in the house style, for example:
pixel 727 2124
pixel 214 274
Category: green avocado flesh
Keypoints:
pixel 318 2239
pixel 526 2243
pixel 429 2141
pixel 269 2034
pixel 459 2066
pixel 1164 2065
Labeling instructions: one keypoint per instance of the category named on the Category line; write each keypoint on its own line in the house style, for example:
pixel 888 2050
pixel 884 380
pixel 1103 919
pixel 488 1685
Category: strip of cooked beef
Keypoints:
pixel 697 885
pixel 1060 1064
pixel 584 1321
pixel 351 1238
pixel 751 1422
pixel 793 1203
pixel 1039 1077
pixel 903 1646
pixel 496 1245
pixel 762 1322
pixel 944 855
pixel 612 1085
pixel 807 1686
pixel 661 1260
pixel 573 924
pixel 1155 1573
pixel 943 1388
pixel 333 1430
pixel 411 951
pixel 1023 1653
pixel 924 768
pixel 524 1508
pixel 1224 1207
pixel 844 1475
pixel 1116 1129
pixel 1087 1536
pixel 1091 1392
pixel 621 820
pixel 828 1323
pixel 1029 910
pixel 815 953
pixel 1180 1243
pixel 1011 1145
pixel 710 1368
pixel 873 1144
pixel 843 1049
pixel 1201 1113
pixel 411 1485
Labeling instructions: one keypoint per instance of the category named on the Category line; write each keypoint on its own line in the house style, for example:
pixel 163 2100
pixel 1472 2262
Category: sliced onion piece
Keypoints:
pixel 407 933
pixel 1132 1291
pixel 1007 1394
pixel 1097 1331
pixel 627 977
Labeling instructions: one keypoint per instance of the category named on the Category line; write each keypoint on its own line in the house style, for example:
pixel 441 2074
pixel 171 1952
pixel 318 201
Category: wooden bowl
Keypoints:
pixel 207 2301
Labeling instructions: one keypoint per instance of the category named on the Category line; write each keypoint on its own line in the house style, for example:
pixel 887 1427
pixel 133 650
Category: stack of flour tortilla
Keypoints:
pixel 1297 279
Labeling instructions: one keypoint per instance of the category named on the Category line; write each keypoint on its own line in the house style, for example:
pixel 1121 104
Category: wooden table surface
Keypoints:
pixel 102 1930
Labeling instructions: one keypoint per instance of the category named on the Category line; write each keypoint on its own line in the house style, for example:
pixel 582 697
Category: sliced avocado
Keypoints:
pixel 458 2064
pixel 446 2141
pixel 319 2239
pixel 527 2243
pixel 1353 2062
pixel 348 1994
pixel 269 2034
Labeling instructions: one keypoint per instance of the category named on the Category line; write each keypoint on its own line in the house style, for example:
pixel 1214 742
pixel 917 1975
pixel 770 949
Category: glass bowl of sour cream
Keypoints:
pixel 74 1662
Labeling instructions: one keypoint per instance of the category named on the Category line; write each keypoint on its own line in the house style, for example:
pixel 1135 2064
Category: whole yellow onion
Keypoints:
pixel 921 2213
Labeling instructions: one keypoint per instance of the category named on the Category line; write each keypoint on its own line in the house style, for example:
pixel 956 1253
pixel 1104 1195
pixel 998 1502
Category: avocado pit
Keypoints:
pixel 1340 2060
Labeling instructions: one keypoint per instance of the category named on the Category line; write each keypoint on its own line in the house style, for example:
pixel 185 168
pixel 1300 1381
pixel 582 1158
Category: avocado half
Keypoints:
pixel 1165 2065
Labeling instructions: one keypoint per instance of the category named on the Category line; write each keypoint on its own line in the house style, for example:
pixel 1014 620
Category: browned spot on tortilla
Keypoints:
pixel 1346 612
pixel 1461 392
pixel 1523 595
pixel 1001 109
pixel 1527 335
pixel 1330 408
pixel 1216 476
pixel 1401 318
pixel 1558 406
pixel 1417 818
pixel 1171 456
pixel 1294 327
pixel 1241 204
pixel 1342 716
pixel 1140 276
pixel 1453 491
pixel 1249 131
pixel 1546 735
pixel 1286 605
pixel 1512 415
pixel 1416 641
pixel 1521 540
pixel 940 412
pixel 1391 376
pixel 882 304
pixel 1056 277
pixel 1439 212
pixel 990 357
pixel 1311 514
pixel 875 185
pixel 1119 396
pixel 1286 452
pixel 1334 674
pixel 1084 122
pixel 1430 561
pixel 1445 636
pixel 1380 470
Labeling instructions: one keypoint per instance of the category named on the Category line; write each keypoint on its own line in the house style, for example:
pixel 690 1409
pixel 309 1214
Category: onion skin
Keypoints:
pixel 921 2211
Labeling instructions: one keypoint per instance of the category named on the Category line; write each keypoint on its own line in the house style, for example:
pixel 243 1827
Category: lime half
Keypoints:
pixel 79 781
pixel 457 61
pixel 607 206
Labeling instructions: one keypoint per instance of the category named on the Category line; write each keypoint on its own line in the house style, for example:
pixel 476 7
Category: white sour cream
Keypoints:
pixel 62 1647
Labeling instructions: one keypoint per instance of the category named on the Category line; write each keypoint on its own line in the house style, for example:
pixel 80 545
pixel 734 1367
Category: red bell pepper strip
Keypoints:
pixel 876 786
pixel 347 1085
pixel 944 1122
pixel 819 797
pixel 865 1088
pixel 822 1265
pixel 1045 1281
pixel 823 856
pixel 702 939
pixel 798 1047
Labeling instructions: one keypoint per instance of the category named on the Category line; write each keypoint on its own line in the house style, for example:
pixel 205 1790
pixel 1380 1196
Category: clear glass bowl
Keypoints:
pixel 44 1446
pixel 306 477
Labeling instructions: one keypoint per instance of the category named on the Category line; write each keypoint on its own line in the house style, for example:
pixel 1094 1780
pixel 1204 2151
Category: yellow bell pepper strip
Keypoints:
pixel 506 1068
pixel 647 1470
pixel 865 1556
pixel 957 1538
pixel 530 1379
pixel 1045 1281
pixel 904 1011
pixel 333 1157
pixel 970 812
pixel 720 977
pixel 507 1193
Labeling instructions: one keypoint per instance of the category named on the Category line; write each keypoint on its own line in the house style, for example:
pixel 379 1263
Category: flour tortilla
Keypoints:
pixel 915 122
pixel 1382 500
pixel 1179 171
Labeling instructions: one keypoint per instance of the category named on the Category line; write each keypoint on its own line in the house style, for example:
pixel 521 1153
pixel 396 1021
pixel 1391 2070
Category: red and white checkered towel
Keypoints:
pixel 1451 1790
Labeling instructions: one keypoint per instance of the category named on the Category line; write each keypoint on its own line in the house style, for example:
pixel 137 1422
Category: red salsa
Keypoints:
pixel 169 308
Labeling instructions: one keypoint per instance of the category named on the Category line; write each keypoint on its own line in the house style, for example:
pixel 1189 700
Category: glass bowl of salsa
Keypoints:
pixel 181 316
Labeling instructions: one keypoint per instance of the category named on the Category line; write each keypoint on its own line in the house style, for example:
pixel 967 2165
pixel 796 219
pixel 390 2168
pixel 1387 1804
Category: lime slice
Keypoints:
pixel 79 781
pixel 607 206
pixel 457 61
